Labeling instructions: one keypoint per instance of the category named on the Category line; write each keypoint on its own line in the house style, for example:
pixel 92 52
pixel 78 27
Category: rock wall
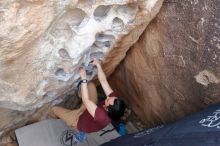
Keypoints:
pixel 174 68
pixel 44 42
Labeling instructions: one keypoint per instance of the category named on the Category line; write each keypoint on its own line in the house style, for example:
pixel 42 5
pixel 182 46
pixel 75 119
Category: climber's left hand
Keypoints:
pixel 82 73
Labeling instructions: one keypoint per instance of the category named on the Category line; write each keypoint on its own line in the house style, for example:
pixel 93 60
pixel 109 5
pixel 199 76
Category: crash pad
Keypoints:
pixel 57 133
pixel 200 129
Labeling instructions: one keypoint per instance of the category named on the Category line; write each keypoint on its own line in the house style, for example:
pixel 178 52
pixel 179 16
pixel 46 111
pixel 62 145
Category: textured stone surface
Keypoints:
pixel 174 68
pixel 44 42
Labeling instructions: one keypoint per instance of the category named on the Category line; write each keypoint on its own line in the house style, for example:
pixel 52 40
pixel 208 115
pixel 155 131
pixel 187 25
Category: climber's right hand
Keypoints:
pixel 96 62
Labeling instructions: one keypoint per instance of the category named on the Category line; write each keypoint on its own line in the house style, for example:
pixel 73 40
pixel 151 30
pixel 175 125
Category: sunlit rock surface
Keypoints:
pixel 174 68
pixel 44 42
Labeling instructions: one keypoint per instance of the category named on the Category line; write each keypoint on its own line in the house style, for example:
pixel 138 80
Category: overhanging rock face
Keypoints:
pixel 44 42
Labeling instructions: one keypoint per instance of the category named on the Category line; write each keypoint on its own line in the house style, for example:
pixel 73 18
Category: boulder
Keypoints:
pixel 174 68
pixel 44 42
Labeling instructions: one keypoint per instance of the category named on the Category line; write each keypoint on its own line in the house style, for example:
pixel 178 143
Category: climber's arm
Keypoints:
pixel 102 77
pixel 90 105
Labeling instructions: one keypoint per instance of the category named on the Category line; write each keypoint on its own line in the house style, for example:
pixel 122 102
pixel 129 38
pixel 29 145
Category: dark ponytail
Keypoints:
pixel 116 110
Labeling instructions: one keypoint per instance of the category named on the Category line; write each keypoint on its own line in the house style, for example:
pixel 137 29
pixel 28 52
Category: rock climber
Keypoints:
pixel 93 116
